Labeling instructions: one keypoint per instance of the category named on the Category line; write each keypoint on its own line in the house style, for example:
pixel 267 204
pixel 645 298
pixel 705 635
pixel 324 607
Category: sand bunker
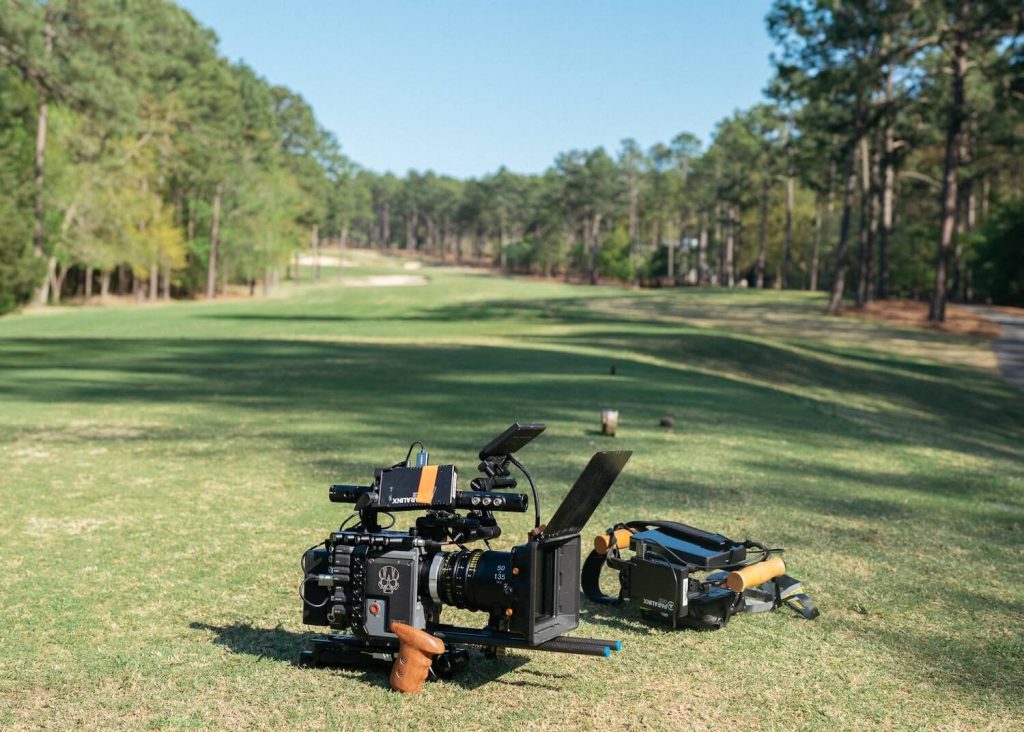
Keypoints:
pixel 386 281
pixel 325 260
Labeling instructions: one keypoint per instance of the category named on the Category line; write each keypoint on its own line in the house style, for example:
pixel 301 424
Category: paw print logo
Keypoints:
pixel 387 579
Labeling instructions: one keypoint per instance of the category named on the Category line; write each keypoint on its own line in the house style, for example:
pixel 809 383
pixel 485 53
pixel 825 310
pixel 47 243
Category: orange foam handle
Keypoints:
pixel 415 656
pixel 602 542
pixel 755 574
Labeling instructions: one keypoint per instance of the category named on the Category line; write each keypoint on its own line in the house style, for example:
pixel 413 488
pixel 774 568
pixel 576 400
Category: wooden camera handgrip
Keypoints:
pixel 415 655
pixel 755 574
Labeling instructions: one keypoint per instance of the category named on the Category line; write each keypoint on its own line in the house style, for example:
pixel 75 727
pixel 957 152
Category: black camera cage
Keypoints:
pixel 547 609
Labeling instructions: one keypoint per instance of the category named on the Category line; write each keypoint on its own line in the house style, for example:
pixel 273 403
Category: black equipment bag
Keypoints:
pixel 704 602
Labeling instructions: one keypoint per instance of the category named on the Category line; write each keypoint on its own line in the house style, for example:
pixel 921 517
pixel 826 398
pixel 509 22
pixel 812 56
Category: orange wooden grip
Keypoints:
pixel 602 542
pixel 415 655
pixel 755 574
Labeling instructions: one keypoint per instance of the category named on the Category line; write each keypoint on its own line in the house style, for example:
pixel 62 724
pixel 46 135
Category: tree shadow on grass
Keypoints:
pixel 381 388
pixel 284 646
pixel 956 406
pixel 295 317
pixel 982 667
pixel 486 384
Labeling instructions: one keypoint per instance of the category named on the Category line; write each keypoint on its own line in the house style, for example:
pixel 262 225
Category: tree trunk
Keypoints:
pixel 830 203
pixel 88 283
pixel 55 275
pixel 191 226
pixel 874 211
pixel 816 246
pixel 37 234
pixel 762 234
pixel 937 311
pixel 211 268
pixel 864 249
pixel 787 267
pixel 659 233
pixel 502 243
pixel 730 244
pixel 634 215
pixel 385 226
pixel 839 284
pixel 702 253
pixel 314 240
pixel 104 285
pixel 431 243
pixel 719 244
pixel 885 225
pixel 40 157
pixel 684 258
pixel 122 279
pixel 888 183
pixel 167 283
pixel 595 246
pixel 737 245
pixel 443 237
pixel 410 230
pixel 964 218
pixel 570 241
pixel 972 220
pixel 154 281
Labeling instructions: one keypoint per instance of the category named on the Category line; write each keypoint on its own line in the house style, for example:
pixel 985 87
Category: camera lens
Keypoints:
pixel 471 579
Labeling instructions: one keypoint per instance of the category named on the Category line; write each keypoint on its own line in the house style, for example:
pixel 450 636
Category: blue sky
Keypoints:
pixel 462 87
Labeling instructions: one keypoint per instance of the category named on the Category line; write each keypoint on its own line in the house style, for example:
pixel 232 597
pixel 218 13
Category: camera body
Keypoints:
pixel 529 592
pixel 364 579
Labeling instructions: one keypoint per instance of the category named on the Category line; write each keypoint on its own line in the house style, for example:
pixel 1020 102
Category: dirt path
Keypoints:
pixel 1009 347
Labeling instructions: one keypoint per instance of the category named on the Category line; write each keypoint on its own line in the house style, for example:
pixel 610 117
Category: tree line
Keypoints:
pixel 886 161
pixel 136 158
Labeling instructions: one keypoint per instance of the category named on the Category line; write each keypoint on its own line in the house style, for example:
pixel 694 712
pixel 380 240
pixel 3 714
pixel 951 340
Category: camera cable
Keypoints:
pixel 533 489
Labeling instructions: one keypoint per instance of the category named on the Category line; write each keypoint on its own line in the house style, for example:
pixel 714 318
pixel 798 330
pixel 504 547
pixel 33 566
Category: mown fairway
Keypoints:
pixel 163 468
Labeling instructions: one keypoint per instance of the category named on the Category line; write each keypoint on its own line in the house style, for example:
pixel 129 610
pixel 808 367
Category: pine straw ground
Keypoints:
pixel 914 314
pixel 164 467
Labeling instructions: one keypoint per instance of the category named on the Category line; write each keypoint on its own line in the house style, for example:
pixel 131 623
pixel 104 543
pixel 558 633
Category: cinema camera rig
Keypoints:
pixel 387 588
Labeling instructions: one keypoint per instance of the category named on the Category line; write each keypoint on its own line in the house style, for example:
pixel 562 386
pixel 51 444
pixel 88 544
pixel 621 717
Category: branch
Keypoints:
pixel 921 177
pixel 69 216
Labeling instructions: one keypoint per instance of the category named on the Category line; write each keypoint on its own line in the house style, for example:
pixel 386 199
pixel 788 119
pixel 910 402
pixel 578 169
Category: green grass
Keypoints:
pixel 165 466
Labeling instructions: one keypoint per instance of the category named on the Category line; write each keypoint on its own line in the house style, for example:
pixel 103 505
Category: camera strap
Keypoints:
pixel 590 580
pixel 802 605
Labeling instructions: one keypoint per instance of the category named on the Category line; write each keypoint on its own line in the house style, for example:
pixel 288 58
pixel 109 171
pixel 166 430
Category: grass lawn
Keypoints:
pixel 164 467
